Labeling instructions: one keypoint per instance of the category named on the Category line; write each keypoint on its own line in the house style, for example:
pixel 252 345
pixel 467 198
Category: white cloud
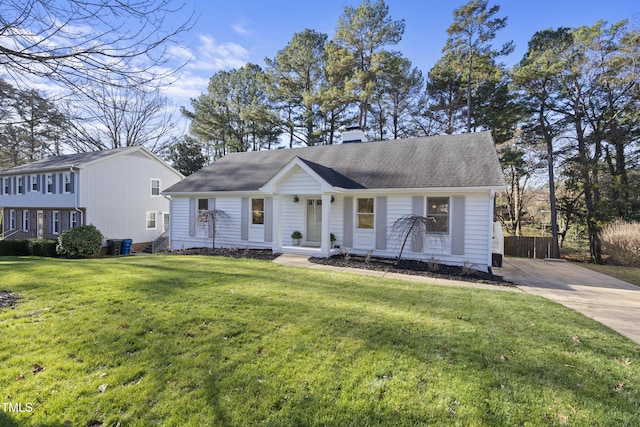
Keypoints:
pixel 241 29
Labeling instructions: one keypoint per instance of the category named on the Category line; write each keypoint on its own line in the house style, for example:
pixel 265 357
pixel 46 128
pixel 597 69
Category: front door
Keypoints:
pixel 314 222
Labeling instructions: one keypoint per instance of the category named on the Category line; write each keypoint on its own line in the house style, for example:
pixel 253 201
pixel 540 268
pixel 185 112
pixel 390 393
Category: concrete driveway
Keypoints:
pixel 610 301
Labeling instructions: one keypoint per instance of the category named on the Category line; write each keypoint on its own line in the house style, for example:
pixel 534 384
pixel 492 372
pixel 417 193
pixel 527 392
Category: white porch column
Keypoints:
pixel 277 223
pixel 325 243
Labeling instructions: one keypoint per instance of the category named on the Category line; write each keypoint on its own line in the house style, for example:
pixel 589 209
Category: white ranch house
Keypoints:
pixel 353 191
pixel 118 191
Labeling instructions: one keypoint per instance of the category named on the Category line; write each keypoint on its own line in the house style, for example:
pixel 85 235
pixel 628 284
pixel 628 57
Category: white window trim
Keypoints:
pixel 34 181
pixel 252 212
pixel 65 176
pixel 55 222
pixel 148 219
pixel 26 220
pixel 159 186
pixel 20 185
pixel 373 214
pixel 48 177
pixel 433 233
pixel 12 219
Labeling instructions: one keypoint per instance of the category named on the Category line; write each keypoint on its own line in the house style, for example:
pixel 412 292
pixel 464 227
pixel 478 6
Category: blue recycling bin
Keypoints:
pixel 126 247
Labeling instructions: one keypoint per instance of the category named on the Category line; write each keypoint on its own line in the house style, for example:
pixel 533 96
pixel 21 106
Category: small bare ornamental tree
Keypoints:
pixel 215 218
pixel 414 226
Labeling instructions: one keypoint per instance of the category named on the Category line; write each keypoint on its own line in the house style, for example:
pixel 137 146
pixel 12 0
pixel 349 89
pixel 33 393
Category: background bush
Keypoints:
pixel 14 247
pixel 24 247
pixel 621 241
pixel 79 242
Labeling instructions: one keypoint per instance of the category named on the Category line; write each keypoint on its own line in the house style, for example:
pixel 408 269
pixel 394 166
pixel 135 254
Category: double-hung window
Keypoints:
pixel 73 219
pixel 151 220
pixel 55 222
pixel 67 182
pixel 12 219
pixel 34 183
pixel 49 183
pixel 26 217
pixel 155 187
pixel 20 185
pixel 257 211
pixel 438 215
pixel 365 213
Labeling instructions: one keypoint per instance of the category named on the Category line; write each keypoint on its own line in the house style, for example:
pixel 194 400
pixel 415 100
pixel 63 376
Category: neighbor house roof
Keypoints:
pixel 465 160
pixel 76 160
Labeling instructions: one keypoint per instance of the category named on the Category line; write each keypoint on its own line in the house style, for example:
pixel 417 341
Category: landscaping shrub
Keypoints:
pixel 42 247
pixel 79 242
pixel 14 247
pixel 621 241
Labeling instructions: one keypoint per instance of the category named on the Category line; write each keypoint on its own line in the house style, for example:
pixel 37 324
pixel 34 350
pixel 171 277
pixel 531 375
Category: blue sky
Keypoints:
pixel 231 33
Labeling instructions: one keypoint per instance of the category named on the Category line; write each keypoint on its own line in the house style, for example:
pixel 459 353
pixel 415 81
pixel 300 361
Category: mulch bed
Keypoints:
pixel 8 299
pixel 419 268
pixel 263 254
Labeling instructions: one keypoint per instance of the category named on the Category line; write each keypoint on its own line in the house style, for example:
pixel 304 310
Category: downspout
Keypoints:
pixel 170 216
pixel 492 204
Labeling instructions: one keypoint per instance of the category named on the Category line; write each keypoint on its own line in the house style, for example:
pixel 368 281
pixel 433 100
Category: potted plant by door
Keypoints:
pixel 332 238
pixel 295 238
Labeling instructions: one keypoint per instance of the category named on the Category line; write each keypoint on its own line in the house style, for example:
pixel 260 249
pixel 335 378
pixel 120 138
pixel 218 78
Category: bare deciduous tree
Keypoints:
pixel 82 43
pixel 114 117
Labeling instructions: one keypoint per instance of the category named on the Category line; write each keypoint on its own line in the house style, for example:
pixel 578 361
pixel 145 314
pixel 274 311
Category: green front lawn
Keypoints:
pixel 208 341
pixel 628 274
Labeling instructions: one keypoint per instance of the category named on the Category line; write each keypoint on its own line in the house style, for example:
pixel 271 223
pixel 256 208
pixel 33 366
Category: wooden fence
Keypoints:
pixel 528 247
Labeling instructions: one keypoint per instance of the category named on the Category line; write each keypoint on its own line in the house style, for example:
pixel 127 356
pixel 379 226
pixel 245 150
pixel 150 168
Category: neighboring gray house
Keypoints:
pixel 354 191
pixel 118 191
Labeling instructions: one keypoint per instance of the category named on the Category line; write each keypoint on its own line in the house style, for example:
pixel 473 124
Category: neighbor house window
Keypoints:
pixel 151 220
pixel 25 220
pixel 257 211
pixel 49 184
pixel 155 187
pixel 438 215
pixel 34 183
pixel 20 185
pixel 73 219
pixel 67 182
pixel 365 213
pixel 12 219
pixel 55 222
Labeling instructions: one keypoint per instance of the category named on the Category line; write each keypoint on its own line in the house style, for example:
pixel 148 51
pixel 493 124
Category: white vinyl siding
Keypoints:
pixel 300 183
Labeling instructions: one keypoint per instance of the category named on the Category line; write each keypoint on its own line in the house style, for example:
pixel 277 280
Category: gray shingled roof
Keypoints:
pixel 63 162
pixel 465 160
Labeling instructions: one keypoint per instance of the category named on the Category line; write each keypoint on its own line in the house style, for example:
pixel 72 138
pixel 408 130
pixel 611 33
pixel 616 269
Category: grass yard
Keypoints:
pixel 209 341
pixel 628 274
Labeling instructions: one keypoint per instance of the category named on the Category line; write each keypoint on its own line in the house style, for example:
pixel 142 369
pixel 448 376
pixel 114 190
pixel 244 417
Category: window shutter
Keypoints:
pixel 417 239
pixel 381 222
pixel 28 184
pixel 60 183
pixel 457 225
pixel 73 182
pixel 347 238
pixel 192 217
pixel 268 219
pixel 212 207
pixel 244 219
pixel 53 183
pixel 14 185
pixel 43 180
